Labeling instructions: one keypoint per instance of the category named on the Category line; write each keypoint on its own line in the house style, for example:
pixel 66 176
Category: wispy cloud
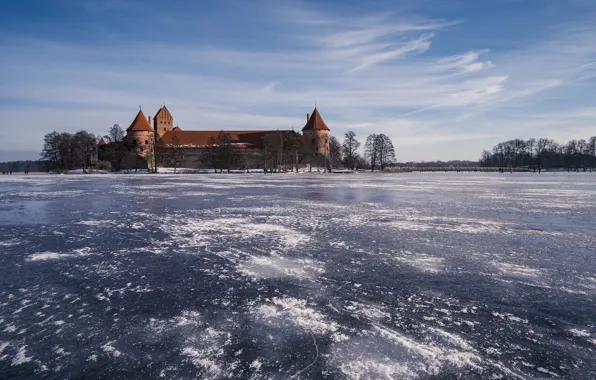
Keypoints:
pixel 419 45
pixel 406 76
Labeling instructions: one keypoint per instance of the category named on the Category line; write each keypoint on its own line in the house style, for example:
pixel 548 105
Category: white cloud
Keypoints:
pixel 270 87
pixel 372 74
pixel 417 46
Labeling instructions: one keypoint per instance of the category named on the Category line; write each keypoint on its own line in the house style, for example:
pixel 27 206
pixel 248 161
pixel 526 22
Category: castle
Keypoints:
pixel 143 140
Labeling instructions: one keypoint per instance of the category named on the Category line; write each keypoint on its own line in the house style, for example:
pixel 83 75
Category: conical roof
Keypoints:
pixel 140 123
pixel 315 122
pixel 101 142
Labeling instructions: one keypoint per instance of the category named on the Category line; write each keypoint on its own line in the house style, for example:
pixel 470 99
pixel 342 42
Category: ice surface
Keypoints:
pixel 410 276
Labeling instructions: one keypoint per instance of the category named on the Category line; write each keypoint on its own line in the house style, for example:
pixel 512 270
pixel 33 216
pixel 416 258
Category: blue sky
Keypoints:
pixel 444 79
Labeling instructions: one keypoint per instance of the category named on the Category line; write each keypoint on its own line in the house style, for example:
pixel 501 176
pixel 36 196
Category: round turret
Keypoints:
pixel 140 136
pixel 316 134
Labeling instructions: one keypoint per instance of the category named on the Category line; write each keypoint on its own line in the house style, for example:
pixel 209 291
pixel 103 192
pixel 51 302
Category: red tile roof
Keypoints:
pixel 166 112
pixel 200 139
pixel 140 123
pixel 315 122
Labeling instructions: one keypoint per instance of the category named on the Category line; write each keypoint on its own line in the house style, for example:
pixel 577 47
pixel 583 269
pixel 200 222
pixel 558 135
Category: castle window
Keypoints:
pixel 146 142
pixel 142 149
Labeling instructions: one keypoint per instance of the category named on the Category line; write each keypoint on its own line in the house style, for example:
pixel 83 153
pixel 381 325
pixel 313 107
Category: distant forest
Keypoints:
pixel 437 164
pixel 542 152
pixel 21 166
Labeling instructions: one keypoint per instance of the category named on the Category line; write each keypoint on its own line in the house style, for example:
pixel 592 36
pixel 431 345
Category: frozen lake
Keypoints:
pixel 410 276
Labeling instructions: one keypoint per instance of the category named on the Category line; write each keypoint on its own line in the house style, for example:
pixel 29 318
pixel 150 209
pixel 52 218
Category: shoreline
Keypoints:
pixel 257 172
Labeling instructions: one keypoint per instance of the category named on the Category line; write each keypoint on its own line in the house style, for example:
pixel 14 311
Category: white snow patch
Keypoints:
pixel 461 225
pixel 422 262
pixel 544 370
pixel 3 346
pixel 96 223
pixel 509 317
pixel 362 367
pixel 297 312
pixel 43 256
pixel 386 354
pixel 9 243
pixel 580 333
pixel 275 266
pixel 256 364
pixel 369 311
pixel 200 359
pixel 517 270
pixel 196 232
pixel 206 350
pixel 21 357
pixel 111 350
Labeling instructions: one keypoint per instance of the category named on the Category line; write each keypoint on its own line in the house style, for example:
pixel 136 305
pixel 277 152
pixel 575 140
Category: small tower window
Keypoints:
pixel 142 149
pixel 146 142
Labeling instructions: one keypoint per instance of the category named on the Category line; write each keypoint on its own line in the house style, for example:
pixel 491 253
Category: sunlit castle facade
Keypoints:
pixel 146 135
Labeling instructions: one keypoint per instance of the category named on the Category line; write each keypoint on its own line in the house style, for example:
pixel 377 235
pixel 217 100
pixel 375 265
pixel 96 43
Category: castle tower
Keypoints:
pixel 163 121
pixel 139 136
pixel 316 135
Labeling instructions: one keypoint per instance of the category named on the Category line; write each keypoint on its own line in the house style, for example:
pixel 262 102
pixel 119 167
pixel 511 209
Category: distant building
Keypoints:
pixel 143 140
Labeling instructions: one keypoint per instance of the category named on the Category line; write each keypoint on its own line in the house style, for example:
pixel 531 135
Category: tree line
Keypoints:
pixel 543 152
pixel 63 151
pixel 22 166
pixel 283 151
pixel 438 164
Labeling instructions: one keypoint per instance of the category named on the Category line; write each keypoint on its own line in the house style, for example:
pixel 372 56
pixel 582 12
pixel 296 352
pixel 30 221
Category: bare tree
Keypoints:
pixel 273 146
pixel 210 154
pixel 117 149
pixel 335 148
pixel 221 152
pixel 51 151
pixel 349 147
pixel 115 134
pixel 361 162
pixel 292 147
pixel 385 151
pixel 228 152
pixel 542 152
pixel 379 151
pixel 65 151
pixel 84 149
pixel 152 153
pixel 371 150
pixel 174 155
